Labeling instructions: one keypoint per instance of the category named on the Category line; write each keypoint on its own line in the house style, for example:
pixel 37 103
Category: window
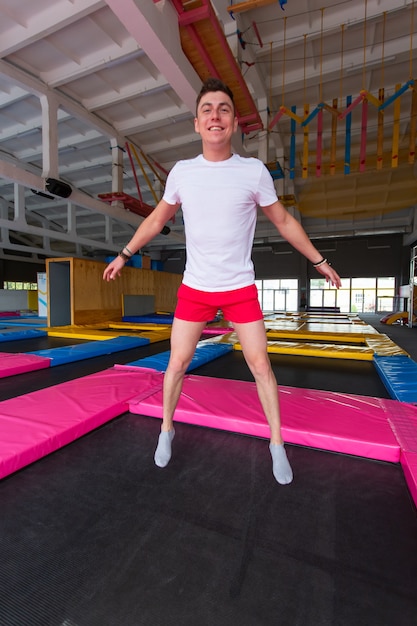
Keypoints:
pixel 322 294
pixel 357 295
pixel 278 294
pixel 19 286
pixel 386 299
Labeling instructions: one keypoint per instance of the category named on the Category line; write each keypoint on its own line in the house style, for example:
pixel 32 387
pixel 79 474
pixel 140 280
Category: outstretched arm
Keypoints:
pixel 294 233
pixel 148 229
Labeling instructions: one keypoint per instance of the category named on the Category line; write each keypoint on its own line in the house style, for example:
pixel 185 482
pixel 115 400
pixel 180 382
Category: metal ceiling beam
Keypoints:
pixel 38 88
pixel 73 70
pixel 15 174
pixel 155 28
pixel 134 90
pixel 43 23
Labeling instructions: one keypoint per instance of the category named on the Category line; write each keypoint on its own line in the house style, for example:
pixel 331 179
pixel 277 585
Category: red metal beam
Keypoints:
pixel 204 11
pixel 194 15
pixel 129 202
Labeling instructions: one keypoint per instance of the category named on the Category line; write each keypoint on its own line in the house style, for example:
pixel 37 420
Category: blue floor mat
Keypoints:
pixel 79 352
pixel 14 334
pixel 399 375
pixel 203 354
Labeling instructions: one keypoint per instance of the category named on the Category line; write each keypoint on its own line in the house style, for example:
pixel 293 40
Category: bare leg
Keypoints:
pixel 184 338
pixel 252 338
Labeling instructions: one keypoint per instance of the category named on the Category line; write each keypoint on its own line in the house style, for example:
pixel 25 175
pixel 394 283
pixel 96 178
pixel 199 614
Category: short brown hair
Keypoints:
pixel 214 84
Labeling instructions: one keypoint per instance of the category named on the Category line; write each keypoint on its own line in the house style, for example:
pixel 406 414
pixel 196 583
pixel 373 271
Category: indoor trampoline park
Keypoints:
pixel 93 532
pixel 208 221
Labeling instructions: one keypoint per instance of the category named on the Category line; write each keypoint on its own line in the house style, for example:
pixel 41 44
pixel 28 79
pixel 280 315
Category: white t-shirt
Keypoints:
pixel 219 202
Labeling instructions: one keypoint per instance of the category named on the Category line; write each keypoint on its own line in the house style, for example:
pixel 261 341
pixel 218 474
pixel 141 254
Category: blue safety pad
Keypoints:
pixel 399 375
pixel 153 318
pixel 90 349
pixel 26 321
pixel 14 334
pixel 203 354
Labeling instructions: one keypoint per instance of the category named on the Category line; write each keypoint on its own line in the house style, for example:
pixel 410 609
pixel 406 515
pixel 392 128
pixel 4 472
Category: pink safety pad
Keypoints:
pixel 35 424
pixel 403 420
pixel 12 364
pixel 409 466
pixel 217 331
pixel 337 422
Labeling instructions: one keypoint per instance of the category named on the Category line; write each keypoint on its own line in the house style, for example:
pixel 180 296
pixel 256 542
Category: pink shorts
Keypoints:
pixel 239 305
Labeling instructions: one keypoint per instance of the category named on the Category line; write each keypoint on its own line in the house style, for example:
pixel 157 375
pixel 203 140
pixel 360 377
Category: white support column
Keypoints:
pixel 49 106
pixel 47 245
pixel 4 231
pixel 19 206
pixel 117 166
pixel 71 219
pixel 116 171
pixel 108 230
pixel 263 141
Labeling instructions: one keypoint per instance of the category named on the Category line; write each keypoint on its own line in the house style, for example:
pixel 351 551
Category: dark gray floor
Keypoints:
pixel 96 535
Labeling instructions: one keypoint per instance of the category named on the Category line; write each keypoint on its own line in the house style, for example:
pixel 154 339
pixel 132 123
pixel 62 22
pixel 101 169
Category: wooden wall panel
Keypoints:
pixel 94 300
pixel 166 287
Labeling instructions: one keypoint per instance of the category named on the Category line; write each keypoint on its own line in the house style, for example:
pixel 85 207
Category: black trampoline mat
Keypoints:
pixel 96 535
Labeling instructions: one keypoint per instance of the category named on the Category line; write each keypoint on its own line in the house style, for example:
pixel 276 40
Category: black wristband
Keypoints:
pixel 321 262
pixel 124 256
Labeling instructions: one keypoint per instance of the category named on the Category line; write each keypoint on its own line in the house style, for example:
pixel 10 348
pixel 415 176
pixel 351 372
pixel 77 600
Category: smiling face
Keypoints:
pixel 216 122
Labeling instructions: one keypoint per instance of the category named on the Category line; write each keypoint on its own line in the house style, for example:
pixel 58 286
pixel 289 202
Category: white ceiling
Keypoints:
pixel 80 78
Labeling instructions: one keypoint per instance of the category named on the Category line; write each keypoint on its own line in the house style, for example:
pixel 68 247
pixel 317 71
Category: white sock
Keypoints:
pixel 280 465
pixel 163 449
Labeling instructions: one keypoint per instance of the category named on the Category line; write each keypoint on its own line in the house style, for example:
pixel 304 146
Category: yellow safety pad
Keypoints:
pixel 73 332
pixel 224 338
pixel 153 336
pixel 384 346
pixel 337 317
pixel 308 336
pixel 220 325
pixel 133 326
pixel 293 325
pixel 328 328
pixel 329 321
pixel 321 330
pixel 403 315
pixel 328 351
pixel 157 333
